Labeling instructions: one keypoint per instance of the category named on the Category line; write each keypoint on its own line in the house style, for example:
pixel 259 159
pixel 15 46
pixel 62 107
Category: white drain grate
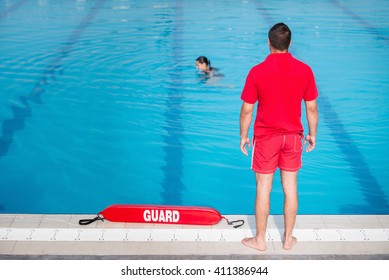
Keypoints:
pixel 188 235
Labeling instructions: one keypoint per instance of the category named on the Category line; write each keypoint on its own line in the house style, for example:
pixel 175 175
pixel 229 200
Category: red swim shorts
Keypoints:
pixel 283 151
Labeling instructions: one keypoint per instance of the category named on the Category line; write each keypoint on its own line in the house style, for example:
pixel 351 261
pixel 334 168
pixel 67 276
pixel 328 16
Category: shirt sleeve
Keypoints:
pixel 249 93
pixel 311 92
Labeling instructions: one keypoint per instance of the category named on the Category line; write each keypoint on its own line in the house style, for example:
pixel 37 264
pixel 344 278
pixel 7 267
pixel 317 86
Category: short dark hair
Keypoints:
pixel 280 36
pixel 203 59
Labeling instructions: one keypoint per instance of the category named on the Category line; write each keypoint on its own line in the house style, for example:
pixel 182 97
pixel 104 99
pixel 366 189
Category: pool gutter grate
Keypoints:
pixel 187 235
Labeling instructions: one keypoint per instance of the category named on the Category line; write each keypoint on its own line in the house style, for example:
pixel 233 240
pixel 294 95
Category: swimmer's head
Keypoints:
pixel 202 63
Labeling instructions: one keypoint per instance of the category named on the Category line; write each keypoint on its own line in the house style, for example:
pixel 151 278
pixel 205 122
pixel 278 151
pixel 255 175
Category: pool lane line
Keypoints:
pixel 20 113
pixel 358 166
pixel 13 7
pixel 356 162
pixel 172 184
pixel 265 14
pixel 49 73
pixel 361 21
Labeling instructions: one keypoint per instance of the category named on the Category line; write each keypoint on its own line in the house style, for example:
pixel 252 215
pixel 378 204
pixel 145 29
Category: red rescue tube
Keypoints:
pixel 137 213
pixel 189 215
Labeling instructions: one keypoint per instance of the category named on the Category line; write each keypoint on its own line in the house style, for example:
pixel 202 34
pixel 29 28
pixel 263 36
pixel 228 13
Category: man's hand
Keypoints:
pixel 243 142
pixel 311 142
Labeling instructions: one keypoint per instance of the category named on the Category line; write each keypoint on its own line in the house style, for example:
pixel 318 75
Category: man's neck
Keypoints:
pixel 275 51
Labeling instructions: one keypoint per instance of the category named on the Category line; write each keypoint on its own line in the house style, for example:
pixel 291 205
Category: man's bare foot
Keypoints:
pixel 288 244
pixel 255 243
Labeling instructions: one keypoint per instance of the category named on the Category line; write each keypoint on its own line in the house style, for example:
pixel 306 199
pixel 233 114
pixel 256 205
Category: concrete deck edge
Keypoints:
pixel 197 257
pixel 193 250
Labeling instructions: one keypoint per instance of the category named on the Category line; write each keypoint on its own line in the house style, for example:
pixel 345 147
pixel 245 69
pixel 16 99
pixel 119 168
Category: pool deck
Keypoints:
pixel 320 237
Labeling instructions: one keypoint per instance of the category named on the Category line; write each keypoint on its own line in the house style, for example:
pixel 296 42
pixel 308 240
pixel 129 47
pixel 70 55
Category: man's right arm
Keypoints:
pixel 246 114
pixel 312 118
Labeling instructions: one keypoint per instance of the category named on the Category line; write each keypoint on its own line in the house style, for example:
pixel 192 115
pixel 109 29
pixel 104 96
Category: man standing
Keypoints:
pixel 279 84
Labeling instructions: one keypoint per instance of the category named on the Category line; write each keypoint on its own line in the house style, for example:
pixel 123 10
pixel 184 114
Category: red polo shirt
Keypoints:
pixel 279 84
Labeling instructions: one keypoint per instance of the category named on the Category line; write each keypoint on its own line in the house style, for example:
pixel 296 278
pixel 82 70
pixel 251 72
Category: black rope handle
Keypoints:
pixel 84 222
pixel 231 223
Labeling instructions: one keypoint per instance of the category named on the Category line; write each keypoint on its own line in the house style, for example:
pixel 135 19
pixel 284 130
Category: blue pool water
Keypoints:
pixel 100 103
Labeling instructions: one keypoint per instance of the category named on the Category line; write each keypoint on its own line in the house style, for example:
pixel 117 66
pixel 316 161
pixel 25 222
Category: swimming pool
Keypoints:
pixel 100 104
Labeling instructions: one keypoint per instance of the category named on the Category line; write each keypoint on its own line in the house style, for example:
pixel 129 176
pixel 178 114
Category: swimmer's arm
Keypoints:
pixel 246 114
pixel 313 119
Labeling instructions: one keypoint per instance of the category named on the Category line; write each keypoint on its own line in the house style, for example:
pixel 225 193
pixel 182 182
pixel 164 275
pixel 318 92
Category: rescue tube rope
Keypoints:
pixel 231 223
pixel 84 222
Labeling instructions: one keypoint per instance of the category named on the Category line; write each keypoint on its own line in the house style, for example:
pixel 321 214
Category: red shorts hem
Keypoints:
pixel 291 169
pixel 264 171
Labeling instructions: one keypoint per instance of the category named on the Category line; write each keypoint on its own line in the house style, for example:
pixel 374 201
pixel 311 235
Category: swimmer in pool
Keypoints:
pixel 205 71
